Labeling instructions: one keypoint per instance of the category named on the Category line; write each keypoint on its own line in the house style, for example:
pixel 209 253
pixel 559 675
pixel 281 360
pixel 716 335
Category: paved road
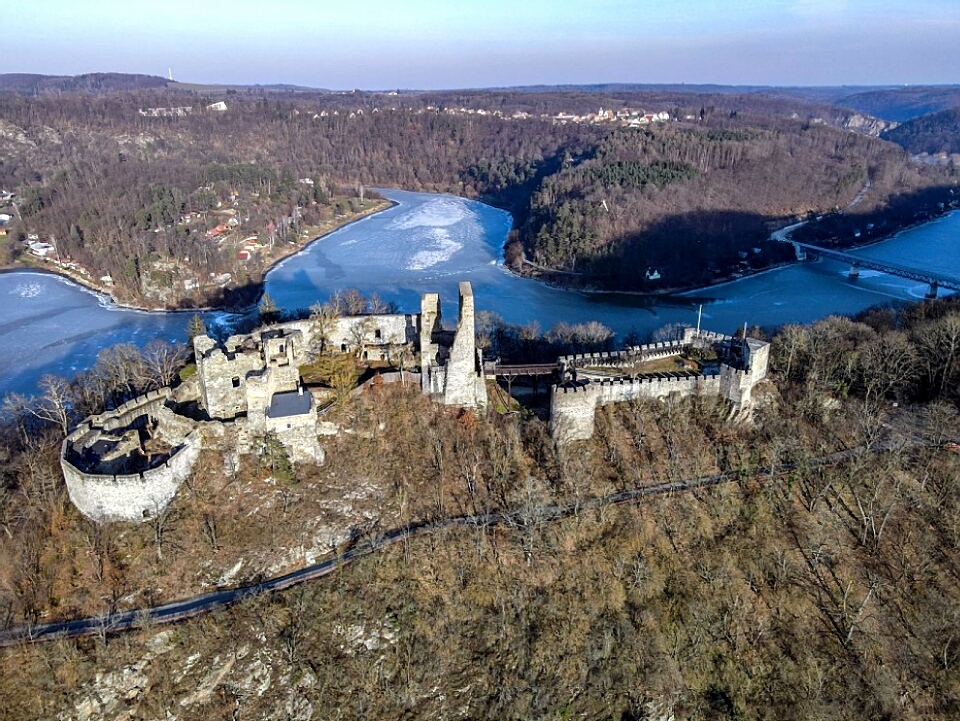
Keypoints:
pixel 188 608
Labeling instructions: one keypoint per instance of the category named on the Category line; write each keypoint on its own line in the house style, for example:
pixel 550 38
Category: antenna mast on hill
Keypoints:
pixel 170 73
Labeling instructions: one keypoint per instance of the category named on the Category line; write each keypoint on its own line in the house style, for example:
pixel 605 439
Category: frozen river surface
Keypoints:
pixel 428 243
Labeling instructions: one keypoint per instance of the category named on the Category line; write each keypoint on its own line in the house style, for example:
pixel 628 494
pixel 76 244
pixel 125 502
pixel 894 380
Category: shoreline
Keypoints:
pixel 301 249
pixel 107 294
pixel 652 295
pixel 781 235
pixel 684 292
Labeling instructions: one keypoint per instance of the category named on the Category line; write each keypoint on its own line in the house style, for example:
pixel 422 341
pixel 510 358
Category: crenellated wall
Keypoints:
pixel 648 352
pixel 573 405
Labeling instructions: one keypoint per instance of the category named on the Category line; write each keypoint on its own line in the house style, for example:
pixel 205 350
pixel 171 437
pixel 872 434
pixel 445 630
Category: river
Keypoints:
pixel 430 243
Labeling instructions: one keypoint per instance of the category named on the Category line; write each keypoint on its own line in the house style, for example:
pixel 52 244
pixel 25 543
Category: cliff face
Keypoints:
pixel 866 125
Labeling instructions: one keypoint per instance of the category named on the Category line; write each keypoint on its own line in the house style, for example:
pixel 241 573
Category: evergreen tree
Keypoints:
pixel 196 327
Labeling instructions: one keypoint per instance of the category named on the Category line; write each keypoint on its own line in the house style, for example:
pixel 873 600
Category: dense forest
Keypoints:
pixel 128 183
pixel 819 581
pixel 695 203
pixel 934 133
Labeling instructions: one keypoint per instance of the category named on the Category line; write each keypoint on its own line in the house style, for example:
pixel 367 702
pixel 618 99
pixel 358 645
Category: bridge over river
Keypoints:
pixel 934 280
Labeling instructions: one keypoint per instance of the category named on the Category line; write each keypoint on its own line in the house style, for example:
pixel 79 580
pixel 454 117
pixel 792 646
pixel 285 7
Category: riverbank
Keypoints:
pixel 383 205
pixel 781 235
pixel 653 295
pixel 250 293
pixel 49 325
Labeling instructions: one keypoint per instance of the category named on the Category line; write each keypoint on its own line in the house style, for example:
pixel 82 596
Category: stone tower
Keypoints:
pixel 430 333
pixel 465 384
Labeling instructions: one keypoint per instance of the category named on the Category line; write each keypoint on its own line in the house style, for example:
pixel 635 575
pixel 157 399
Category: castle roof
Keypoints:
pixel 289 403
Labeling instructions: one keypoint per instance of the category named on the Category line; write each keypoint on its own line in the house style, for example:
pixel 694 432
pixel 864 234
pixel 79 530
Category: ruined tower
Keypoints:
pixel 451 365
pixel 465 385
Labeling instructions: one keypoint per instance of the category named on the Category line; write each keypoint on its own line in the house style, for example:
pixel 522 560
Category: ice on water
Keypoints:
pixel 428 243
pixel 438 212
pixel 441 249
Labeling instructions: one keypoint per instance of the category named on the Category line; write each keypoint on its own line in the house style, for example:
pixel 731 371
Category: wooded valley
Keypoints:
pixel 136 195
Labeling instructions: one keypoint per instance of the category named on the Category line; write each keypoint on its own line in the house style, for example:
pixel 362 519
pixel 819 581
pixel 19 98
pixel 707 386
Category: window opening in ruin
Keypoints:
pixel 343 347
pixel 236 381
pixel 365 355
pixel 282 347
pixel 377 334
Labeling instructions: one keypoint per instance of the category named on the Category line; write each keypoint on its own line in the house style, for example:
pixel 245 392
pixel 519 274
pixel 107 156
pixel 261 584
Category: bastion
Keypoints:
pixel 127 465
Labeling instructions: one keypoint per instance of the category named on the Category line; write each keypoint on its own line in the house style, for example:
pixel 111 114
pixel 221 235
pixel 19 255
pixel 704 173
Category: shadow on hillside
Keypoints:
pixel 847 229
pixel 690 250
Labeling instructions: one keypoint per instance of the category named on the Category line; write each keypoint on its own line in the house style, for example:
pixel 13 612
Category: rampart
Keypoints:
pixel 650 351
pixel 132 496
pixel 573 404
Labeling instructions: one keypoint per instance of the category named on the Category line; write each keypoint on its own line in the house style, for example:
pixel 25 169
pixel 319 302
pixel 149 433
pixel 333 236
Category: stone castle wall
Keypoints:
pixel 224 376
pixel 464 383
pixel 298 434
pixel 375 336
pixel 123 415
pixel 573 407
pixel 133 497
pixel 650 351
pixel 238 382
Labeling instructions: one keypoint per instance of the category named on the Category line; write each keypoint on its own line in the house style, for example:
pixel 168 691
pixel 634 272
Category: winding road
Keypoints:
pixel 112 623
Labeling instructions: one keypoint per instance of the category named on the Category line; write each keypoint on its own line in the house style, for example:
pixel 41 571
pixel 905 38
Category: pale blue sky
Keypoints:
pixel 377 44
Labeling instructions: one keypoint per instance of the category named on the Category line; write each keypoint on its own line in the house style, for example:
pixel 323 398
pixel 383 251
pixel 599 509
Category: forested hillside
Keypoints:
pixel 695 203
pixel 934 133
pixel 35 84
pixel 128 184
pixel 903 103
pixel 818 581
pixel 111 185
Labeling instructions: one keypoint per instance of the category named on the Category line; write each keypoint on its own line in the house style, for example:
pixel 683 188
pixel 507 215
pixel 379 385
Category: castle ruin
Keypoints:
pixel 127 464
pixel 597 379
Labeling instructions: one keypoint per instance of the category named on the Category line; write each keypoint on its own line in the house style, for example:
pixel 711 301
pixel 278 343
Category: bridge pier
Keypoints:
pixel 799 252
pixel 934 280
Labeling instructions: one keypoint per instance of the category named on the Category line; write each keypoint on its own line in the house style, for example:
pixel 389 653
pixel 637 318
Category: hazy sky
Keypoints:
pixel 381 44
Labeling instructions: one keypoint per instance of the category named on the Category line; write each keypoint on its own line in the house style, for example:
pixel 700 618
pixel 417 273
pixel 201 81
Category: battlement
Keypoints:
pixel 573 405
pixel 633 353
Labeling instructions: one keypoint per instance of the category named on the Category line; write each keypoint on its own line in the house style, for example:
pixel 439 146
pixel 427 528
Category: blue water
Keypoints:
pixel 428 243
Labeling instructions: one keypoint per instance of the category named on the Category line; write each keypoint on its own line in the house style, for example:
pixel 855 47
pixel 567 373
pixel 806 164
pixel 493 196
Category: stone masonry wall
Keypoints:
pixel 134 497
pixel 461 387
pixel 650 351
pixel 430 326
pixel 375 334
pixel 572 407
pixel 224 379
pixel 298 434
